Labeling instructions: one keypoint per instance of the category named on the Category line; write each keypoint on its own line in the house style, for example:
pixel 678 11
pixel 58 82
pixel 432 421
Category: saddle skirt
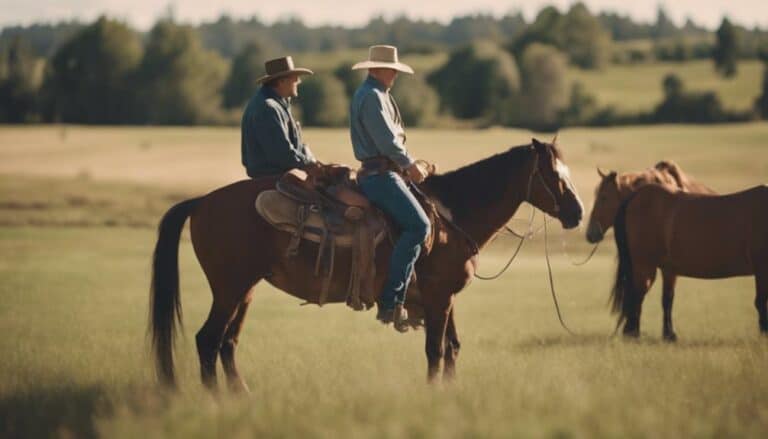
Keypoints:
pixel 290 215
pixel 315 223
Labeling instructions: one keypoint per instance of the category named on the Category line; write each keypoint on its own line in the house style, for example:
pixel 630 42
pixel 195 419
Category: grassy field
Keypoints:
pixel 77 211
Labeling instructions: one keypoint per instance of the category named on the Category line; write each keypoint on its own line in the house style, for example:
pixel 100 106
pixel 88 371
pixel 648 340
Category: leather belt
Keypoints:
pixel 377 165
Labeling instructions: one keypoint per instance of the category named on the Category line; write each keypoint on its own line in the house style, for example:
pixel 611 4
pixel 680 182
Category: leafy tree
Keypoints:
pixel 417 101
pixel 584 39
pixel 350 78
pixel 247 67
pixel 685 107
pixel 180 80
pixel 478 81
pixel 761 104
pixel 577 33
pixel 547 28
pixel 581 106
pixel 664 27
pixel 44 39
pixel 672 85
pixel 19 82
pixel 323 101
pixel 89 80
pixel 726 49
pixel 545 91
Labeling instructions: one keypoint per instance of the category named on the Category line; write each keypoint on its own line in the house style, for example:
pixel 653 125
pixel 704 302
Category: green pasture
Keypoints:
pixel 637 87
pixel 78 208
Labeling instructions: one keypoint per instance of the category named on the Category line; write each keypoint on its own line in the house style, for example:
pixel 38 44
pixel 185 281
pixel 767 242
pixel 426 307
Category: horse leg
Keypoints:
pixel 436 319
pixel 761 300
pixel 452 347
pixel 667 297
pixel 228 345
pixel 644 277
pixel 210 336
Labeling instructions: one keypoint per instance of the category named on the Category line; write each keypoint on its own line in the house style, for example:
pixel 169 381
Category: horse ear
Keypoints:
pixel 601 173
pixel 554 139
pixel 535 141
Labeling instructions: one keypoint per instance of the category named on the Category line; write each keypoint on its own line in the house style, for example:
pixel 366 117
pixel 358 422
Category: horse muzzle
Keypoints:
pixel 594 234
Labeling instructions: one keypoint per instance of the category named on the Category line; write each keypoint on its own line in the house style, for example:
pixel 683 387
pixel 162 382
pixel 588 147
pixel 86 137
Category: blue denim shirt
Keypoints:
pixel 270 137
pixel 375 125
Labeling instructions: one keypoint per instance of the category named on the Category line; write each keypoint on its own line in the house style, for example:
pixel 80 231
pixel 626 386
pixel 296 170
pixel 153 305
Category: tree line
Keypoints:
pixel 107 73
pixel 228 36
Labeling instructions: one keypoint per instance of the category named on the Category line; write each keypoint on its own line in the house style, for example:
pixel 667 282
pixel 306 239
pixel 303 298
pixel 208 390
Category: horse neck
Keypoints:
pixel 628 184
pixel 484 196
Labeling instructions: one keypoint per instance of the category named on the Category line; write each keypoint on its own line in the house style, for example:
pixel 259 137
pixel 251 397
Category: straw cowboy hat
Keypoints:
pixel 279 67
pixel 383 57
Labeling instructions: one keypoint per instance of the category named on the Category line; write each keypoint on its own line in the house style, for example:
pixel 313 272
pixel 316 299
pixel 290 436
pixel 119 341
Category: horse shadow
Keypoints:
pixel 64 412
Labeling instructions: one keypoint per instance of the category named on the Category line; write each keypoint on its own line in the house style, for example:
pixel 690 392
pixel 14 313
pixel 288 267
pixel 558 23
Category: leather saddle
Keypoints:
pixel 329 211
pixel 327 208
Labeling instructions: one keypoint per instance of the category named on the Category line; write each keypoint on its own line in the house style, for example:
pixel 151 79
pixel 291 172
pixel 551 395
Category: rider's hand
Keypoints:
pixel 415 173
pixel 315 171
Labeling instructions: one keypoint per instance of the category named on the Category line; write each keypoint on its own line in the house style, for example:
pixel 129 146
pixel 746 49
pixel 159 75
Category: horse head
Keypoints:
pixel 550 188
pixel 607 203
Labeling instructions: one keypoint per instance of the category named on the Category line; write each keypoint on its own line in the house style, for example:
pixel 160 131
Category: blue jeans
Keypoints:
pixel 388 192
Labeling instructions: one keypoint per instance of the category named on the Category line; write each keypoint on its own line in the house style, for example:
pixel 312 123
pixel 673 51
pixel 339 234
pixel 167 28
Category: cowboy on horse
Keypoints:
pixel 271 140
pixel 378 141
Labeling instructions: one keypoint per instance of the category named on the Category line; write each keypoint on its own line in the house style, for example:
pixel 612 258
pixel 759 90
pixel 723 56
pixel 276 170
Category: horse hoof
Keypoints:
pixel 632 334
pixel 670 338
pixel 238 387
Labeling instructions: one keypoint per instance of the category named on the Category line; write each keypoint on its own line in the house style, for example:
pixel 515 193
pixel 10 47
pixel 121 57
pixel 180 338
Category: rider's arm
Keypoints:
pixel 272 127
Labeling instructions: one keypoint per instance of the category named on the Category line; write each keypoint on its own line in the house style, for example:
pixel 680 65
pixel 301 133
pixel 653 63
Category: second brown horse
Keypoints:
pixel 615 189
pixel 695 235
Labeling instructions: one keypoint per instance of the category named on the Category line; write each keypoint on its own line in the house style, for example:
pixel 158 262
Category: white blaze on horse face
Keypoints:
pixel 562 170
pixel 565 175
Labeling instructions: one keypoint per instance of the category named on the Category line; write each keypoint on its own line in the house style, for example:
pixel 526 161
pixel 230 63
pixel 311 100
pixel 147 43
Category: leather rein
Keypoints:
pixel 476 249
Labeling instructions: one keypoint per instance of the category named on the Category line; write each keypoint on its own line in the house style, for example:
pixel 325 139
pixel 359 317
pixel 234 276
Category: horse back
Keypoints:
pixel 709 236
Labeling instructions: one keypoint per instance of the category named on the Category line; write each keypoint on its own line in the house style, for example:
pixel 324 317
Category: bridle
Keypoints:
pixel 556 207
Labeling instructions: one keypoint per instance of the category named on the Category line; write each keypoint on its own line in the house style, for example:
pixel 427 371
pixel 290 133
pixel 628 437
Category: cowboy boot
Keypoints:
pixel 400 318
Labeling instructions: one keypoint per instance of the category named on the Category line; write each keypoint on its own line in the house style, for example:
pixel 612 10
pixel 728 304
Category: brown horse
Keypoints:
pixel 237 248
pixel 693 235
pixel 615 189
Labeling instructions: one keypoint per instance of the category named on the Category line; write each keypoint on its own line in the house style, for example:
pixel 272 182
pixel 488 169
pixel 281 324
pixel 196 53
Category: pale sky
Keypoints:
pixel 142 13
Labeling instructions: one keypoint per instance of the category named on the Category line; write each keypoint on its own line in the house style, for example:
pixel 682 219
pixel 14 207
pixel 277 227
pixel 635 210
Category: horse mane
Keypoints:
pixel 673 170
pixel 665 173
pixel 479 184
pixel 622 294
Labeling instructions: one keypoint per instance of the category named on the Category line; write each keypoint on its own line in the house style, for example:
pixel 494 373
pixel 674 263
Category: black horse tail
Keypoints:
pixel 622 293
pixel 165 307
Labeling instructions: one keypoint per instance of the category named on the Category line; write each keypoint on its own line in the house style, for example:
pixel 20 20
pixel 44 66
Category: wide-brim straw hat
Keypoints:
pixel 383 57
pixel 279 67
